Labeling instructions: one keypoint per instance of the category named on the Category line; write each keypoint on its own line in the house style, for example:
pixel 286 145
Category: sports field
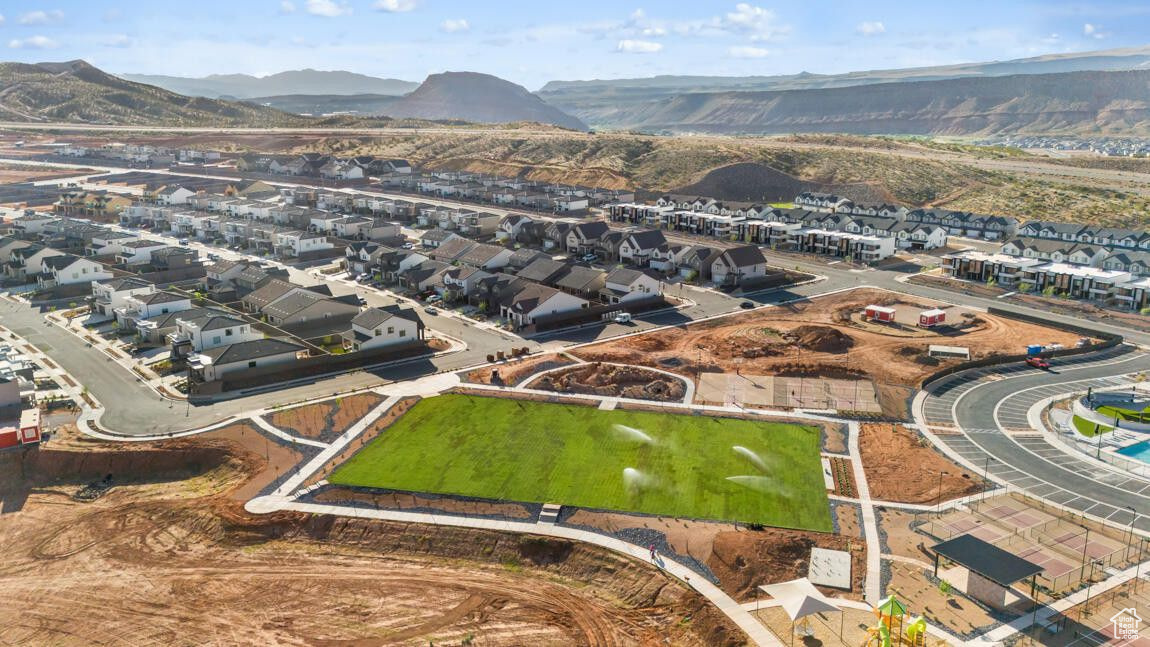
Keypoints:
pixel 665 464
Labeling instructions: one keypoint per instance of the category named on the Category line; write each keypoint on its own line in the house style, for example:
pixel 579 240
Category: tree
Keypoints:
pixel 990 282
pixel 1025 288
pixel 1048 291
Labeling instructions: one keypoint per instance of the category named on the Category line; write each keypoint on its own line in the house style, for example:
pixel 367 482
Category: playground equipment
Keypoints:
pixel 891 629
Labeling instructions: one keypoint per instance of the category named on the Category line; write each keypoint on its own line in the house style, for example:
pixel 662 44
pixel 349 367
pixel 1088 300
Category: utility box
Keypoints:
pixel 1033 349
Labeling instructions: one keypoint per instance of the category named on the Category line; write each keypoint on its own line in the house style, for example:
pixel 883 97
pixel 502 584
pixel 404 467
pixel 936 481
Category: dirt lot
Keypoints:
pixel 511 373
pixel 596 378
pixel 742 559
pixel 327 420
pixel 902 467
pixel 13 173
pixel 180 563
pixel 815 338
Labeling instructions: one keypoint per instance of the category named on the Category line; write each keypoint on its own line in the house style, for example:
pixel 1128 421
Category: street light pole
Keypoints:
pixel 985 471
pixel 938 503
pixel 1130 532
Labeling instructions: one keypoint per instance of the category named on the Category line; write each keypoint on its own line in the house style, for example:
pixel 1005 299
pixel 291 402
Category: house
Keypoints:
pixel 452 250
pixel 69 270
pixel 298 244
pixel 424 276
pixel 138 251
pixel 583 238
pixel 637 247
pixel 533 303
pixel 147 306
pixel 257 299
pixel 462 282
pixel 738 264
pixel 433 238
pixel 155 330
pixel 211 331
pixel 544 270
pixel 173 194
pixel 480 224
pixel 581 281
pixel 376 328
pixel 826 202
pixel 510 226
pixel 171 257
pixel 108 296
pixel 523 257
pixel 300 306
pixel 486 257
pixel 624 285
pixel 607 247
pixel 696 260
pixel 220 362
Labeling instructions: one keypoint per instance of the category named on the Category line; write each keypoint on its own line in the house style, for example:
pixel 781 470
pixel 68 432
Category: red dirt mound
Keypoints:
pixel 822 339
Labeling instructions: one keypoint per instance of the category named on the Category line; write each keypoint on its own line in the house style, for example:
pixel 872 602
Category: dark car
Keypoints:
pixel 747 305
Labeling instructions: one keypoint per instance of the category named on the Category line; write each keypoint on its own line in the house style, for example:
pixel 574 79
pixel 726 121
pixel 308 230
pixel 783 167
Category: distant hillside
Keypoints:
pixel 480 98
pixel 325 104
pixel 245 86
pixel 597 101
pixel 77 92
pixel 752 182
pixel 1062 103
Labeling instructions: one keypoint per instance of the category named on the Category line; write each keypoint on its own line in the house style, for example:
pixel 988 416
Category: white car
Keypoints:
pixel 623 318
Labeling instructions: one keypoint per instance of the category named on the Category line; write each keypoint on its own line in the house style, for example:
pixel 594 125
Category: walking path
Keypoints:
pixel 870 524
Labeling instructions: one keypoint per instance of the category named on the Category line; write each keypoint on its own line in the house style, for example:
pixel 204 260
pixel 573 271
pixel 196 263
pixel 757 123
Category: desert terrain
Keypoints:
pixel 167 556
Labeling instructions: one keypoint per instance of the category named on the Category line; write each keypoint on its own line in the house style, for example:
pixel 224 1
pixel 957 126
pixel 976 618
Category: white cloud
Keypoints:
pixel 747 52
pixel 395 6
pixel 630 46
pixel 33 42
pixel 41 17
pixel 755 21
pixel 452 26
pixel 654 32
pixel 1 19
pixel 1093 31
pixel 287 6
pixel 871 28
pixel 118 40
pixel 327 8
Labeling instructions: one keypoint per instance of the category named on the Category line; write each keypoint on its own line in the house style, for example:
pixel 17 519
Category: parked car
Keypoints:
pixel 362 277
pixel 184 241
pixel 590 258
pixel 435 298
pixel 747 305
pixel 430 310
pixel 623 318
pixel 1038 362
pixel 408 245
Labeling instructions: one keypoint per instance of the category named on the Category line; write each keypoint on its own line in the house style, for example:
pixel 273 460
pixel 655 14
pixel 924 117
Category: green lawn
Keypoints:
pixel 1125 414
pixel 1086 428
pixel 529 451
pixel 782 205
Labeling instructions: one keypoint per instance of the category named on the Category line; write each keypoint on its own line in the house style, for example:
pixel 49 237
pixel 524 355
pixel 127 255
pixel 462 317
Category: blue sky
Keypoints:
pixel 533 42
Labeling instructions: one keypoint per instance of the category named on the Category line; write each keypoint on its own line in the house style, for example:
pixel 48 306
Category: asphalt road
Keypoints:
pixel 981 415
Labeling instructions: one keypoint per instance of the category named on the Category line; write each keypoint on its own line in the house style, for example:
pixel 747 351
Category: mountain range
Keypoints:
pixel 246 86
pixel 75 91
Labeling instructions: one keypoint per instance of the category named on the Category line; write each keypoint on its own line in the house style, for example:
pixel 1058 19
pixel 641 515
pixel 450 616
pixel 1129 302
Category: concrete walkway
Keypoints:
pixel 870 524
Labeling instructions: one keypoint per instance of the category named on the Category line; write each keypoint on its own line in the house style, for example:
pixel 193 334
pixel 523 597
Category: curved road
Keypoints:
pixel 980 415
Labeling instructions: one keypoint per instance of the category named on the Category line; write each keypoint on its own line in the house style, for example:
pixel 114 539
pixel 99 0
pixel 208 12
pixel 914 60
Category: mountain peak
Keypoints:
pixel 479 97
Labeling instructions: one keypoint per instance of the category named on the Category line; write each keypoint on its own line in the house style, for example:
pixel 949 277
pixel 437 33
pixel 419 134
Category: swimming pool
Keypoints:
pixel 1137 451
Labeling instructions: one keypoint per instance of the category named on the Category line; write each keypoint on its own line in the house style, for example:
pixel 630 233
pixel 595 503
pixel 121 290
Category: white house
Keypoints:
pixel 110 296
pixel 535 301
pixel 154 304
pixel 378 328
pixel 638 248
pixel 212 331
pixel 298 243
pixel 222 361
pixel 138 251
pixel 626 285
pixel 68 269
pixel 173 194
pixel 738 264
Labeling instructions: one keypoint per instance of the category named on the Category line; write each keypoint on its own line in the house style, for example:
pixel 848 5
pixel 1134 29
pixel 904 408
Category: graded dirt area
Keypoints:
pixel 903 467
pixel 167 556
pixel 515 371
pixel 816 338
pixel 596 378
pixel 326 420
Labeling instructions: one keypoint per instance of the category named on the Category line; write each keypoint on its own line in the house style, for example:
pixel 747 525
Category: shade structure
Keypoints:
pixel 799 598
pixel 889 606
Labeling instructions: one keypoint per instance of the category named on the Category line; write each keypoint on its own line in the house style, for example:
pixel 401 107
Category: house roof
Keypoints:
pixel 372 317
pixel 156 298
pixel 248 350
pixel 624 276
pixel 647 239
pixel 217 322
pixel 125 283
pixel 530 296
pixel 579 277
pixel 591 230
pixel 454 249
pixel 269 292
pixel 293 302
pixel 542 270
pixel 481 253
pixel 745 255
pixel 60 262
